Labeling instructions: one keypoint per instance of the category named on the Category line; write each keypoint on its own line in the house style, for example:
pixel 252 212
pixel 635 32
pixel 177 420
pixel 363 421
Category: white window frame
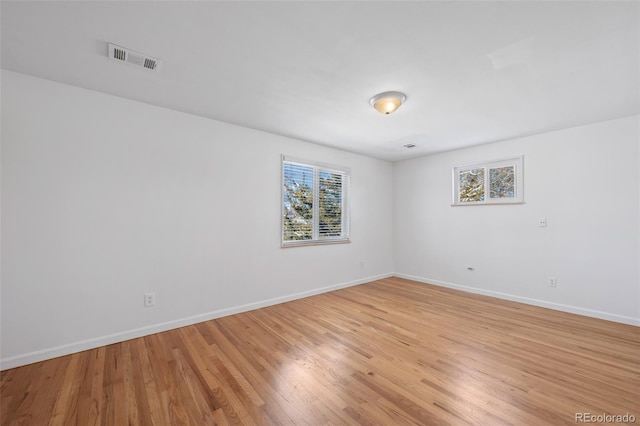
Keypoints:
pixel 515 162
pixel 317 168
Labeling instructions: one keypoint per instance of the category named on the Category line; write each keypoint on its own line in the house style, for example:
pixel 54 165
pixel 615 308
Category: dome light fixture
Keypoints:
pixel 387 102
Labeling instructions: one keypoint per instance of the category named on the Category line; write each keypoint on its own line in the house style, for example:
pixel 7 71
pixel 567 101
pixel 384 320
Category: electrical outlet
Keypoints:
pixel 542 222
pixel 149 300
pixel 553 282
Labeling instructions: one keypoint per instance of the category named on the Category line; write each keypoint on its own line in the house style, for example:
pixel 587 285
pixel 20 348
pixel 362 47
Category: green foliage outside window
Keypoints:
pixel 298 221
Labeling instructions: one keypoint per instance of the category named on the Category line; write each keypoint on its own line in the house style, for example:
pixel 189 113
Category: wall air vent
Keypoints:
pixel 122 54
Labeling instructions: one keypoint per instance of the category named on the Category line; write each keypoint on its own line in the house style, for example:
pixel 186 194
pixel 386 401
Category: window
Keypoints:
pixel 495 182
pixel 314 203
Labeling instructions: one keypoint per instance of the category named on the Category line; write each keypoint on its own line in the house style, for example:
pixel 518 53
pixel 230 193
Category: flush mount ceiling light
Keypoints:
pixel 387 102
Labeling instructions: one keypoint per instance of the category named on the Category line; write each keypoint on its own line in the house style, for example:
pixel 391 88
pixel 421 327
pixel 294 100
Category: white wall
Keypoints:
pixel 584 180
pixel 105 199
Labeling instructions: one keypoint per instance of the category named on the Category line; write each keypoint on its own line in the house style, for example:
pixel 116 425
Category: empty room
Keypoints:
pixel 320 213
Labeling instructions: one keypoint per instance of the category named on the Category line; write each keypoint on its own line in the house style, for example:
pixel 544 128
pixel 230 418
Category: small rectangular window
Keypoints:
pixel 314 203
pixel 494 182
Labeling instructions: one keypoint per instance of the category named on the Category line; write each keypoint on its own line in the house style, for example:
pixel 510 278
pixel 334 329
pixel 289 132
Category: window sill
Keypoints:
pixel 302 243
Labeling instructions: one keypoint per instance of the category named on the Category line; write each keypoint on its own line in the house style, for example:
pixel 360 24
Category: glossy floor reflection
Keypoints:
pixel 389 352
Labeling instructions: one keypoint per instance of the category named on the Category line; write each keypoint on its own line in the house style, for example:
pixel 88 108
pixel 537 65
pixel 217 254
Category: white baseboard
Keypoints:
pixel 535 302
pixel 44 354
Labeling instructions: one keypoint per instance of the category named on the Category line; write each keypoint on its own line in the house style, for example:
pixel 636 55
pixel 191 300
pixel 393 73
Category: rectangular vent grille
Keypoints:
pixel 122 54
pixel 150 63
pixel 119 54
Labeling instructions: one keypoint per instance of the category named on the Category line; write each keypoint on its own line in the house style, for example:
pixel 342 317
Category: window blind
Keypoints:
pixel 314 203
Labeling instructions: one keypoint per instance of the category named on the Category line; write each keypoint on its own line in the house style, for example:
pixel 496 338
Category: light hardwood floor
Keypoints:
pixel 390 352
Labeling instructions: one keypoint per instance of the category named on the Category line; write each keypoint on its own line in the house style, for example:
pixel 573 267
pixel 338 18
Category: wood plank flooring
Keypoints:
pixel 390 352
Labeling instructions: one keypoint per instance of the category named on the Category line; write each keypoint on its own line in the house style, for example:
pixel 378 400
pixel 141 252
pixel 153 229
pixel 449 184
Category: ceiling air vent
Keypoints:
pixel 122 54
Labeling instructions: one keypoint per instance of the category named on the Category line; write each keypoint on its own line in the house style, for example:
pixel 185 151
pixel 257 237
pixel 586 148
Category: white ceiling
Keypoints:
pixel 473 72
